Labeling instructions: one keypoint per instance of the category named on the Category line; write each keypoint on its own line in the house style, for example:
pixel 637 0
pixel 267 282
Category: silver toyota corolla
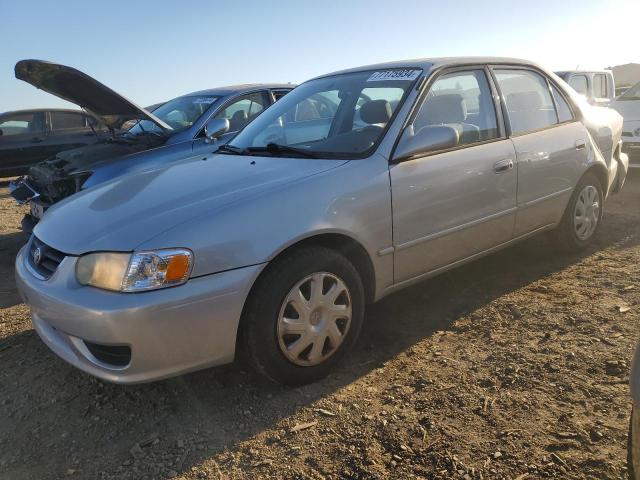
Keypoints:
pixel 354 185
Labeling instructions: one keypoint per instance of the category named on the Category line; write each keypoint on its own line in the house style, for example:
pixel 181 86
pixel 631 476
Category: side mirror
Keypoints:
pixel 214 128
pixel 428 139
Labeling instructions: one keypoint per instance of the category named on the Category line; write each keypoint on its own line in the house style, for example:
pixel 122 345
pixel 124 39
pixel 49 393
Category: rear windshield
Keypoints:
pixel 340 116
pixel 179 113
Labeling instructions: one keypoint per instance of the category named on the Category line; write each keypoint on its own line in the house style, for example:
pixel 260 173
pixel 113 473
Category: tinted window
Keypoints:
pixel 600 86
pixel 528 100
pixel 243 110
pixel 338 116
pixel 23 123
pixel 66 120
pixel 564 112
pixel 463 101
pixel 579 84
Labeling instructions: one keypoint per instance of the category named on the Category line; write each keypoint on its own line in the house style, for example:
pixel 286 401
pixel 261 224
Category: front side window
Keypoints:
pixel 243 110
pixel 600 86
pixel 67 120
pixel 461 100
pixel 22 124
pixel 340 116
pixel 632 94
pixel 179 113
pixel 528 100
pixel 579 84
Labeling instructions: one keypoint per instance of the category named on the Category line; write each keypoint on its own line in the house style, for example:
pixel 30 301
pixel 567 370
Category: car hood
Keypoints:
pixel 121 214
pixel 79 88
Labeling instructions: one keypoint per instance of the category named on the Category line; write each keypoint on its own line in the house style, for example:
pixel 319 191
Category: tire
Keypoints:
pixel 633 446
pixel 272 321
pixel 573 234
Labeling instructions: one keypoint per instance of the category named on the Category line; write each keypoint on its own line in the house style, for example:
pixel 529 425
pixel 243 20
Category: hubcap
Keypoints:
pixel 587 212
pixel 314 319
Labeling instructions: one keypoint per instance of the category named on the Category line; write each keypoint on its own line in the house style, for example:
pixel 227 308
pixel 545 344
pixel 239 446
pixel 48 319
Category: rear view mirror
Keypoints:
pixel 428 139
pixel 215 127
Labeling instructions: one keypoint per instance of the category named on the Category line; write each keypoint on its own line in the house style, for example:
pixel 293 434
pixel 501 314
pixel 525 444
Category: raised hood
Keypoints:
pixel 79 88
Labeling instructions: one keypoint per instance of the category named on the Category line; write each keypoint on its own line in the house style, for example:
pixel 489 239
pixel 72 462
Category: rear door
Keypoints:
pixel 449 205
pixel 68 130
pixel 21 141
pixel 551 145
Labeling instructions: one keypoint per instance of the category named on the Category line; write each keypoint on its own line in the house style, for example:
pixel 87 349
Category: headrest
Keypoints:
pixel 524 101
pixel 445 108
pixel 376 111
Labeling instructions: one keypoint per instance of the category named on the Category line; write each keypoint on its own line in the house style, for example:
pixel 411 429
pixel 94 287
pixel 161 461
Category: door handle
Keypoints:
pixel 580 144
pixel 503 165
pixel 37 140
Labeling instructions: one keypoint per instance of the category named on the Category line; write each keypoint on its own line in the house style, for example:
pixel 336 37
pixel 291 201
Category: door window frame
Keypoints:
pixel 425 87
pixel 549 82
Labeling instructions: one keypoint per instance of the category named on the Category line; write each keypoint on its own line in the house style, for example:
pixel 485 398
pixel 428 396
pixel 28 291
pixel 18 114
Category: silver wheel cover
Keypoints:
pixel 586 213
pixel 314 319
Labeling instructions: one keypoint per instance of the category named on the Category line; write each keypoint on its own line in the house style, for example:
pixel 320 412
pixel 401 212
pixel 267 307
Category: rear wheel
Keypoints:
pixel 304 314
pixel 633 446
pixel 583 215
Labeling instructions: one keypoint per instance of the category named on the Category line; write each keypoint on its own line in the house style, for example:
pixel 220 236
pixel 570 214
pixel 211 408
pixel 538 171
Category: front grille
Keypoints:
pixel 44 259
pixel 116 355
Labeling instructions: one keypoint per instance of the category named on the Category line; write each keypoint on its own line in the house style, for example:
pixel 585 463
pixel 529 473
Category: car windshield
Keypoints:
pixel 340 116
pixel 632 94
pixel 180 113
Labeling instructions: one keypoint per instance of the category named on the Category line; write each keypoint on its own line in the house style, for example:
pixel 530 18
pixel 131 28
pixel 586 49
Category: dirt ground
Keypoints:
pixel 515 366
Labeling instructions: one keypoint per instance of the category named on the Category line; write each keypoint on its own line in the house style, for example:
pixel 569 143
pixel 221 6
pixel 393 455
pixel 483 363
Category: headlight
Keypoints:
pixel 135 272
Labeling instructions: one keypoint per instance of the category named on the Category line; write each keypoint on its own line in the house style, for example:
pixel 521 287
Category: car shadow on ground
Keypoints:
pixel 10 243
pixel 213 410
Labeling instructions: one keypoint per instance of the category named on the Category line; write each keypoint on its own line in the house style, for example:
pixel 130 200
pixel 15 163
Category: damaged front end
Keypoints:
pixel 54 179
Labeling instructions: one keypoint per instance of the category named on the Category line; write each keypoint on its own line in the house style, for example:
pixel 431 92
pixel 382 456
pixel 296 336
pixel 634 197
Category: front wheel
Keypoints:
pixel 304 314
pixel 583 215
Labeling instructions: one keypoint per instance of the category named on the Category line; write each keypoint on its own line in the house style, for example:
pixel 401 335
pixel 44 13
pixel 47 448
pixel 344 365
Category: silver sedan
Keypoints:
pixel 354 185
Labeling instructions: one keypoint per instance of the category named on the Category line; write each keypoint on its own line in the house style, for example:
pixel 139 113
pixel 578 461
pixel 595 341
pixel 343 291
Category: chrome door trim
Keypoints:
pixel 546 197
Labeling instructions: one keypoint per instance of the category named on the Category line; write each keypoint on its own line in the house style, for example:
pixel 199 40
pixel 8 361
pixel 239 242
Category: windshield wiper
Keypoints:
pixel 277 148
pixel 232 149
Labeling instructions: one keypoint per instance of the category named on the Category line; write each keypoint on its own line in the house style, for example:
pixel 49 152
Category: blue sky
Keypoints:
pixel 153 51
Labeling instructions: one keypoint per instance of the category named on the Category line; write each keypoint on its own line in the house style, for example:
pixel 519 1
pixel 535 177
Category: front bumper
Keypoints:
pixel 169 331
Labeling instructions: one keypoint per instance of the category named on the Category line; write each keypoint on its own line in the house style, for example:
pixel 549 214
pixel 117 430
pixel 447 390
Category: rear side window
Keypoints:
pixel 564 112
pixel 579 84
pixel 22 124
pixel 528 100
pixel 461 100
pixel 67 120
pixel 600 86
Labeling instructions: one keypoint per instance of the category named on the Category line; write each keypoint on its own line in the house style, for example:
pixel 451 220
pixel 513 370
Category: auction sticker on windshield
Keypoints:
pixel 406 74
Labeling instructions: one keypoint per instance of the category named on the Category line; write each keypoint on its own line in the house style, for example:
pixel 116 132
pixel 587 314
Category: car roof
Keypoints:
pixel 432 63
pixel 38 110
pixel 238 89
pixel 564 72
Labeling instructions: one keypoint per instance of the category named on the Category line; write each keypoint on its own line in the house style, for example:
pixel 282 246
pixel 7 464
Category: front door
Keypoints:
pixel 453 204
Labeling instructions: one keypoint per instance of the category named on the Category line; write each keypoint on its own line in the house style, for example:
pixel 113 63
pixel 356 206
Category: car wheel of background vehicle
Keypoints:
pixel 583 215
pixel 633 446
pixel 304 314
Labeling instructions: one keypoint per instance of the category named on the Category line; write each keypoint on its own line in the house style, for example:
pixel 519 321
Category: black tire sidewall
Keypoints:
pixel 263 307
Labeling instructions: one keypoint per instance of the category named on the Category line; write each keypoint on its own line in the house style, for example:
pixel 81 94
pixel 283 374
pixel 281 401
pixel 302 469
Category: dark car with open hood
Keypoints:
pixel 190 125
pixel 30 136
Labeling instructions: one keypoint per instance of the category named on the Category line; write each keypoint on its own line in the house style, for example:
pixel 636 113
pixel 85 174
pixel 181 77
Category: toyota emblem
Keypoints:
pixel 37 255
